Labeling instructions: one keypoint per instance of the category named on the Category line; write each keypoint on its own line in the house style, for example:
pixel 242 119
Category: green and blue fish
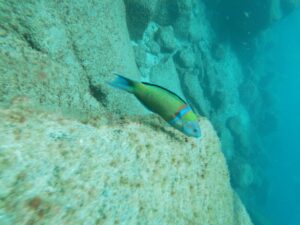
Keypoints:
pixel 165 103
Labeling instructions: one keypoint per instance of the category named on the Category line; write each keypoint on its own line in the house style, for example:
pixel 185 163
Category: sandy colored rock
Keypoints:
pixel 53 57
pixel 55 170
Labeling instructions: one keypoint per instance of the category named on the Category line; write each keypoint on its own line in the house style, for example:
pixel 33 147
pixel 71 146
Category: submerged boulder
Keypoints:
pixel 166 39
pixel 138 15
pixel 165 75
pixel 55 170
pixel 56 53
pixel 186 58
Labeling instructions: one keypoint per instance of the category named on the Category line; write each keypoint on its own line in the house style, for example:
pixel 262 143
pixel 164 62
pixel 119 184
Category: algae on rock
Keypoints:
pixel 59 171
pixel 55 170
pixel 54 52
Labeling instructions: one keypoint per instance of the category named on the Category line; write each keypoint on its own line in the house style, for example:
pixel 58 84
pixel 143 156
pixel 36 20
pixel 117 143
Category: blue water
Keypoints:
pixel 283 202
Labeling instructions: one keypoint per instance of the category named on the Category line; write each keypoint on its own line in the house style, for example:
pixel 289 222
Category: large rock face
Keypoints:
pixel 58 53
pixel 184 54
pixel 59 171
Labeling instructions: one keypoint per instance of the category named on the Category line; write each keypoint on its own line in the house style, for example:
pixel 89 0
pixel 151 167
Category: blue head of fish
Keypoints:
pixel 192 129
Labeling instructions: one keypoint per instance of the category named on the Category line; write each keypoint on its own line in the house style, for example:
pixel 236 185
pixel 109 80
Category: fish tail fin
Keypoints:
pixel 123 83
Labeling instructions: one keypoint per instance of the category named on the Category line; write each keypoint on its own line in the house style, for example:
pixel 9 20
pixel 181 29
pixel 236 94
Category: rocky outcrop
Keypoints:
pixel 60 55
pixel 166 39
pixel 55 170
pixel 183 54
pixel 138 14
pixel 50 55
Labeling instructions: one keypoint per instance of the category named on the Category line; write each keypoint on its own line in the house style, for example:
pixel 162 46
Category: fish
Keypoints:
pixel 173 109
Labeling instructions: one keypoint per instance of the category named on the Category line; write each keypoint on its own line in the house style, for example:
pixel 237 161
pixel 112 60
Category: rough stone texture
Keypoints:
pixel 165 74
pixel 55 170
pixel 138 14
pixel 208 72
pixel 166 39
pixel 237 127
pixel 31 73
pixel 163 12
pixel 193 90
pixel 60 53
pixel 52 56
pixel 249 93
pixel 166 12
pixel 154 47
pixel 186 58
pixel 209 87
pixel 140 55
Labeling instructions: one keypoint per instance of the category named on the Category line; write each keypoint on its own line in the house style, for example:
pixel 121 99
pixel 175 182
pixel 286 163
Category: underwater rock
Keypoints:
pixel 217 99
pixel 240 217
pixel 33 74
pixel 235 125
pixel 186 25
pixel 149 38
pixel 55 170
pixel 166 12
pixel 249 93
pixel 248 176
pixel 240 130
pixel 185 58
pixel 228 147
pixel 182 27
pixel 153 47
pixel 185 7
pixel 218 51
pixel 56 59
pixel 194 92
pixel 166 39
pixel 3 32
pixel 244 173
pixel 145 59
pixel 165 74
pixel 138 15
pixel 60 55
pixel 140 55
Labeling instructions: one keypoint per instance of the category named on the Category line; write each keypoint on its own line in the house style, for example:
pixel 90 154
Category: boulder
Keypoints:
pixel 165 74
pixel 185 58
pixel 138 14
pixel 166 39
pixel 55 170
pixel 166 12
pixel 58 60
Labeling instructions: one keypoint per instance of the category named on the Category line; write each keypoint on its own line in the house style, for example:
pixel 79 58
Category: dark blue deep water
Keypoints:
pixel 283 58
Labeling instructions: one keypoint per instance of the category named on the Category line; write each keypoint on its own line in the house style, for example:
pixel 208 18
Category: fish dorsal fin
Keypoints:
pixel 171 92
